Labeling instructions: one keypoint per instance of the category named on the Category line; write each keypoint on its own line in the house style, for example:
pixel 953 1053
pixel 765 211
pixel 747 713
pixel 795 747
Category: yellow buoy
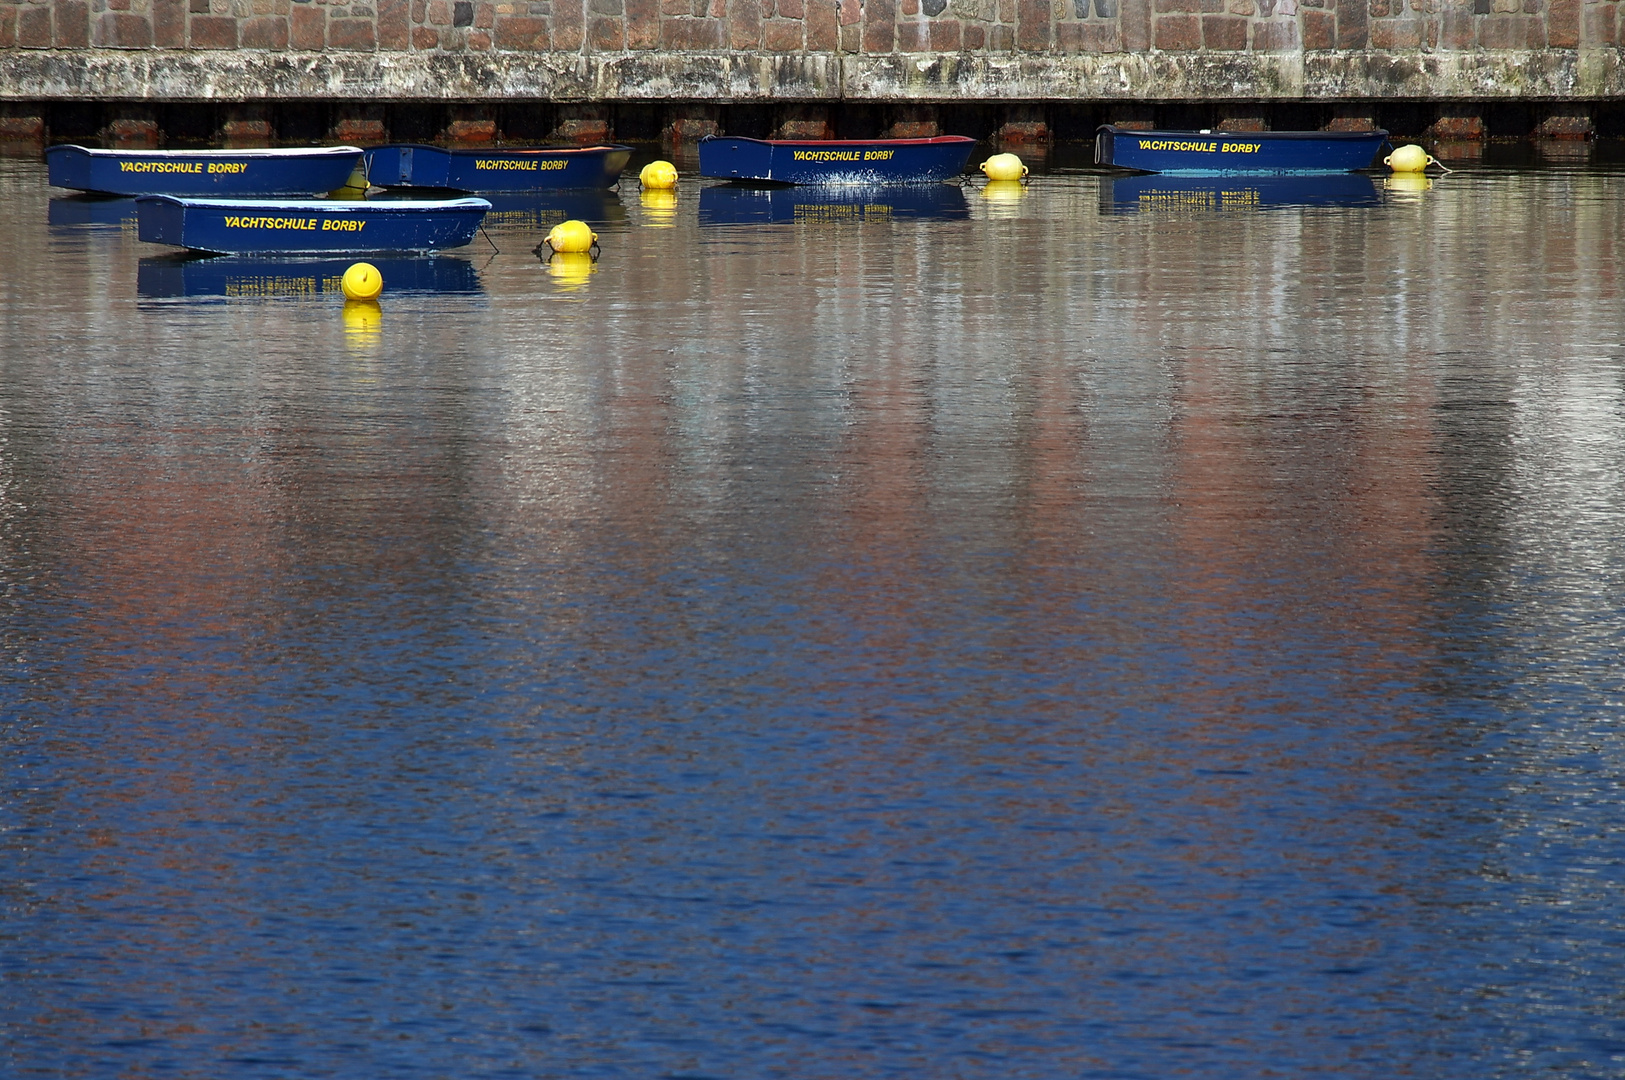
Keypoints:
pixel 571 236
pixel 571 269
pixel 658 175
pixel 362 282
pixel 1004 167
pixel 354 188
pixel 661 207
pixel 1409 158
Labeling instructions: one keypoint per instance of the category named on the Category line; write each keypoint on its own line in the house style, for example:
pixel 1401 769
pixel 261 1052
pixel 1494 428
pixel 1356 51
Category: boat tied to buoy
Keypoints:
pixel 1229 153
pixel 831 162
pixel 295 227
pixel 260 173
pixel 541 168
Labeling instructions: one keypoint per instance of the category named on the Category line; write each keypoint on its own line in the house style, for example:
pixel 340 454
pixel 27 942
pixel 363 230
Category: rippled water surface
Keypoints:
pixel 1097 631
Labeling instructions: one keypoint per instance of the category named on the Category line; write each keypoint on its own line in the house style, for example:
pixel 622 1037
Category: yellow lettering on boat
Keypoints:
pixel 826 155
pixel 512 164
pixel 228 166
pixel 238 221
pixel 1185 145
pixel 878 155
pixel 161 166
pixel 343 225
pixel 1241 148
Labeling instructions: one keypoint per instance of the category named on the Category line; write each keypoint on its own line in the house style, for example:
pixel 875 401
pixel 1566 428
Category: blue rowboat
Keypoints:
pixel 532 169
pixel 730 204
pixel 247 276
pixel 863 162
pixel 1162 193
pixel 290 226
pixel 1227 153
pixel 203 173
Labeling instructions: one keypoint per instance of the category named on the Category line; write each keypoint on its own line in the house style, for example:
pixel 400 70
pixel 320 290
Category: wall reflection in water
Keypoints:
pixel 1025 641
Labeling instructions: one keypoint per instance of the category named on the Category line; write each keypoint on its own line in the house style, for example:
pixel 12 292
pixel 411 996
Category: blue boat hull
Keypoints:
pixel 539 169
pixel 728 204
pixel 214 174
pixel 1230 153
pixel 236 277
pixel 245 226
pixel 860 162
pixel 1163 193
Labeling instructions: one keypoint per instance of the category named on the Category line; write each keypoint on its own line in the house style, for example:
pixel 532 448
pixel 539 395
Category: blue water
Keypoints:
pixel 1056 639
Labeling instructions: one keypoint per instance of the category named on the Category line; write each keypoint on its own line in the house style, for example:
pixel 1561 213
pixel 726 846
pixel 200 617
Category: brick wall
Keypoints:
pixel 795 26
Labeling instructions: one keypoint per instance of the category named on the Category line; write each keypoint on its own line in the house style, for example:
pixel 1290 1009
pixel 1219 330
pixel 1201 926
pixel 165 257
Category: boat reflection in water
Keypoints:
pixel 77 211
pixel 735 204
pixel 545 209
pixel 1160 192
pixel 247 276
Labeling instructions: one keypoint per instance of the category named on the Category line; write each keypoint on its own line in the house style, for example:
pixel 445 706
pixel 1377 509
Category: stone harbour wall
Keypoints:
pixel 829 51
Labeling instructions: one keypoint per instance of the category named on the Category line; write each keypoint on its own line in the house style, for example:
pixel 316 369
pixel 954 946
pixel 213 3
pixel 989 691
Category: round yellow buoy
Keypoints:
pixel 1004 167
pixel 1003 191
pixel 658 175
pixel 1409 158
pixel 571 269
pixel 354 188
pixel 571 236
pixel 362 282
pixel 661 205
pixel 362 318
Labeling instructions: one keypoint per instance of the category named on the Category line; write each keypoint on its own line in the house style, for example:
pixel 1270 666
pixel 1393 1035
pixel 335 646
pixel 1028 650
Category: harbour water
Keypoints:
pixel 1090 631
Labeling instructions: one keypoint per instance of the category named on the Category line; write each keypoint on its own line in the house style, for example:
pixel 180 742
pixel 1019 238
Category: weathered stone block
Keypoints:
pixel 8 40
pixel 1170 6
pixel 1275 36
pixel 394 24
pixel 359 130
pixel 605 35
pixel 791 9
pixel 1352 118
pixel 1563 24
pixel 423 38
pixel 1600 24
pixel 34 27
pixel 744 24
pixel 1351 24
pixel 73 25
pixel 1467 126
pixel 132 131
pixel 691 129
pixel 1319 30
pixel 307 28
pixel 568 25
pixel 1391 34
pixel 266 32
pixel 439 13
pixel 471 131
pixel 521 33
pixel 1565 126
pixel 851 12
pixel 17 128
pixel 354 35
pixel 1134 19
pixel 116 30
pixel 1224 32
pixel 1001 39
pixel 479 40
pixel 879 26
pixel 823 31
pixel 911 36
pixel 691 34
pixel 783 35
pixel 1094 37
pixel 947 35
pixel 169 23
pixel 1178 33
pixel 1239 122
pixel 975 36
pixel 605 7
pixel 213 32
pixel 462 13
pixel 909 8
pixel 642 24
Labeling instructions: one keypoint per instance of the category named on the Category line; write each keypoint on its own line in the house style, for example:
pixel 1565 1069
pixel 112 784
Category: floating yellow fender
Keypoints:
pixel 571 236
pixel 1409 158
pixel 658 176
pixel 362 281
pixel 1004 167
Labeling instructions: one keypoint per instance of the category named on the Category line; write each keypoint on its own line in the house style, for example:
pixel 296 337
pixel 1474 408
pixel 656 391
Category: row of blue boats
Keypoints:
pixel 273 200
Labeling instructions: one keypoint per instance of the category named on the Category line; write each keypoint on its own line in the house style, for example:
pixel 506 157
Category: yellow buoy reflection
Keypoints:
pixel 1408 182
pixel 660 207
pixel 571 269
pixel 1003 198
pixel 363 321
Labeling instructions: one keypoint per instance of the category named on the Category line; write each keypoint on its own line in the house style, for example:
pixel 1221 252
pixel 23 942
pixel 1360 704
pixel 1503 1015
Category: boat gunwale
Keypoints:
pixel 1265 136
pixel 596 148
pixel 259 151
pixel 937 140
